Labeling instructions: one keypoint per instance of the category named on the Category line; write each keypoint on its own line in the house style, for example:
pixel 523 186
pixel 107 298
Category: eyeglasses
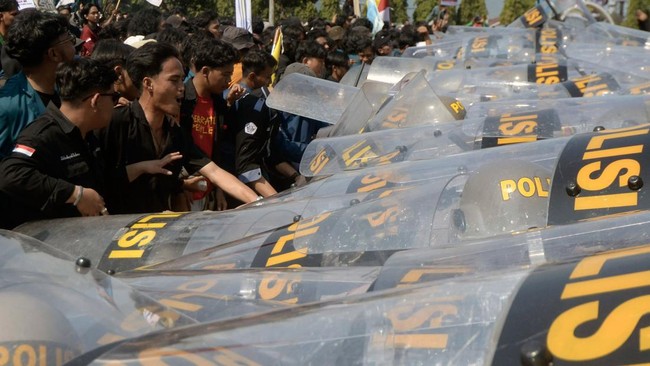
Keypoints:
pixel 71 38
pixel 115 96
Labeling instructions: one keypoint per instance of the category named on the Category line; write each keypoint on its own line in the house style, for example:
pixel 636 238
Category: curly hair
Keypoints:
pixel 32 33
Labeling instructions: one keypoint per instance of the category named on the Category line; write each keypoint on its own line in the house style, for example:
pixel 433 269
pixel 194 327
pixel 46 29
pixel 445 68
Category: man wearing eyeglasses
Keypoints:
pixel 39 42
pixel 55 168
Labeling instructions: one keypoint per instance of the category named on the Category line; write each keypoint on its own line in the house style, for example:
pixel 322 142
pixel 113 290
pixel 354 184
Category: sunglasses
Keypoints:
pixel 115 96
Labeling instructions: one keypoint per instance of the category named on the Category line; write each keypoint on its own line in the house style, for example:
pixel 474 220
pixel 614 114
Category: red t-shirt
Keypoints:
pixel 203 130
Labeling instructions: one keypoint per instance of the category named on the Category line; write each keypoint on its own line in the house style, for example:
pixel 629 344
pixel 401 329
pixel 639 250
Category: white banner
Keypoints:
pixel 24 4
pixel 243 16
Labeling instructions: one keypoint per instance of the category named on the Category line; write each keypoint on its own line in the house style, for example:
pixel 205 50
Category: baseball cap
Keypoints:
pixel 239 38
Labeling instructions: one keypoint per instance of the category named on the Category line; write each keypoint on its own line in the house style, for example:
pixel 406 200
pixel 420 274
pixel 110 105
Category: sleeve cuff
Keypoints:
pixel 251 175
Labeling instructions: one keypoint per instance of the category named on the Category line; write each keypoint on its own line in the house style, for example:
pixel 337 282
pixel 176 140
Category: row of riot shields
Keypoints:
pixel 478 201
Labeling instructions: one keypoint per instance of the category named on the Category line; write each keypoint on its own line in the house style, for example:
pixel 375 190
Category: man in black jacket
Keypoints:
pixel 55 169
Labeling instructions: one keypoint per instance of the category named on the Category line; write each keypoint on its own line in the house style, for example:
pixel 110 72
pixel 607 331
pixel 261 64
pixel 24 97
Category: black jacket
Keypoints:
pixel 39 176
pixel 128 140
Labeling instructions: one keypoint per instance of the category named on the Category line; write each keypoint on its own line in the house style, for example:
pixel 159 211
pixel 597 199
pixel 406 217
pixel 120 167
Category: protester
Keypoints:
pixel 8 11
pixel 203 110
pixel 54 168
pixel 146 148
pixel 243 41
pixel 254 122
pixel 337 64
pixel 39 42
pixel 91 28
pixel 113 54
pixel 208 20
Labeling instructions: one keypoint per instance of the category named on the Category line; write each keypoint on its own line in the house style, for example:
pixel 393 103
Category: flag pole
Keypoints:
pixel 272 12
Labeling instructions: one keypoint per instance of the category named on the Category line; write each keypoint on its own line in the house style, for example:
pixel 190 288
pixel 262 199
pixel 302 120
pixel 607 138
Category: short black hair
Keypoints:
pixel 192 43
pixel 111 52
pixel 8 5
pixel 145 22
pixel 310 48
pixel 214 53
pixel 317 32
pixel 363 22
pixel 32 33
pixel 357 42
pixel 337 58
pixel 86 10
pixel 171 35
pixel 147 61
pixel 257 26
pixel 79 78
pixel 256 61
pixel 204 19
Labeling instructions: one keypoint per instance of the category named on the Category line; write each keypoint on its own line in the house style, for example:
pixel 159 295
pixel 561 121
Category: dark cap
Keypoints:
pixel 174 20
pixel 238 37
pixel 336 33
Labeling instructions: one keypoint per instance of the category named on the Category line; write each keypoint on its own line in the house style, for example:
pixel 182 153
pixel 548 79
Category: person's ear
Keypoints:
pixel 94 100
pixel 305 60
pixel 53 55
pixel 147 84
pixel 205 71
pixel 118 71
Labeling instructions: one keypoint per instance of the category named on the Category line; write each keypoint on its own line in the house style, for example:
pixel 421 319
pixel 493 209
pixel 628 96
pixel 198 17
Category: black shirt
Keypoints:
pixel 128 140
pixel 39 176
pixel 253 125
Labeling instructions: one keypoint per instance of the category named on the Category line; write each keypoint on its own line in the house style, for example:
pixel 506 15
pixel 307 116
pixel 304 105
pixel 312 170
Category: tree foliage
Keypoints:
pixel 630 18
pixel 423 8
pixel 398 13
pixel 513 9
pixel 329 8
pixel 468 9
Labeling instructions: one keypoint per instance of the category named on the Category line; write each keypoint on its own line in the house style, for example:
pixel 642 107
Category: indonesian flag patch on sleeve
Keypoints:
pixel 24 149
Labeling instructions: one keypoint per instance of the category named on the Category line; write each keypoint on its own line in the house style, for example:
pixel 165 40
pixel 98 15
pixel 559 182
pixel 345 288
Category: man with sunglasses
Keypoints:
pixel 56 166
pixel 39 42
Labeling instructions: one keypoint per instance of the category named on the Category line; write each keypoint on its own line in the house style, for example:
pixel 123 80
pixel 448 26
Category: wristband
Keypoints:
pixel 79 195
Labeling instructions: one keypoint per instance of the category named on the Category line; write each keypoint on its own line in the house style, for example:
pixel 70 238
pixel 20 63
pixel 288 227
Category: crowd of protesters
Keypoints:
pixel 144 112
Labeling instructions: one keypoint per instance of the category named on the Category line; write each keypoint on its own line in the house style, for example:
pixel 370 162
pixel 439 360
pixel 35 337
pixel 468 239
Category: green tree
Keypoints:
pixel 422 9
pixel 630 18
pixel 469 9
pixel 329 8
pixel 260 8
pixel 226 8
pixel 513 9
pixel 398 13
pixel 305 11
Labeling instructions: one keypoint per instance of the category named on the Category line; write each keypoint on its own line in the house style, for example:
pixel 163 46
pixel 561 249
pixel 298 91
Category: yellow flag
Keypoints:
pixel 276 51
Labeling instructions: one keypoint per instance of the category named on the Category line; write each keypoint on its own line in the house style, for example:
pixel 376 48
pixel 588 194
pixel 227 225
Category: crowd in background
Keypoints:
pixel 187 126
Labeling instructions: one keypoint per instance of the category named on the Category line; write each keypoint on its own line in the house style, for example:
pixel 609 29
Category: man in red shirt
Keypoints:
pixel 203 109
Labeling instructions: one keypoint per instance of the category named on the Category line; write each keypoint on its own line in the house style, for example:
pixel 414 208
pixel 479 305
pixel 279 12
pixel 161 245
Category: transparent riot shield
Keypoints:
pixel 311 97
